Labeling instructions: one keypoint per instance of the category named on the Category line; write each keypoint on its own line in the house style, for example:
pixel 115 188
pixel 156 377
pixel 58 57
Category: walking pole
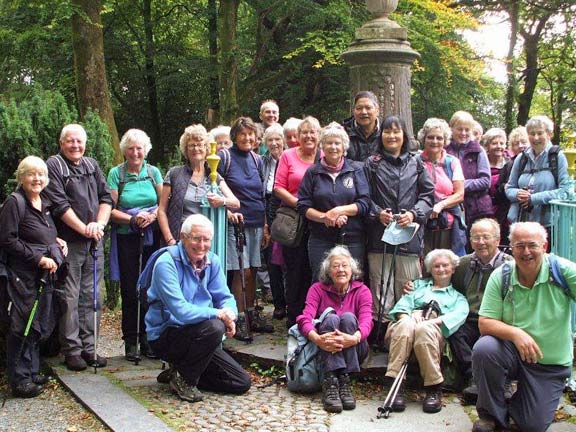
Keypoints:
pixel 240 242
pixel 42 284
pixel 94 253
pixel 138 357
pixel 386 408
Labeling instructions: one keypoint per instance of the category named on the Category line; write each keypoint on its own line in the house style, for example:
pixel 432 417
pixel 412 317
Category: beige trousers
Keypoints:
pixel 425 338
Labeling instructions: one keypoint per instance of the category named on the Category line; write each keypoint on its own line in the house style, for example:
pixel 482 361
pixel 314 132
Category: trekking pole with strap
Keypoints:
pixel 94 253
pixel 240 236
pixel 386 408
pixel 138 357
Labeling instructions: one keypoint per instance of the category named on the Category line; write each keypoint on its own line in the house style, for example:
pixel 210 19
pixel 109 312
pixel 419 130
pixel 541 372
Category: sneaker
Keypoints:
pixel 470 393
pixel 330 394
pixel 433 400
pixel 484 425
pixel 40 379
pixel 131 352
pixel 242 333
pixel 185 391
pixel 75 363
pixel 279 313
pixel 166 375
pixel 258 323
pixel 346 395
pixel 27 390
pixel 99 362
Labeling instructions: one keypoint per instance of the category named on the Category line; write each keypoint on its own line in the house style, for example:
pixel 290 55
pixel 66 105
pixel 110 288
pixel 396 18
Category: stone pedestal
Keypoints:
pixel 380 58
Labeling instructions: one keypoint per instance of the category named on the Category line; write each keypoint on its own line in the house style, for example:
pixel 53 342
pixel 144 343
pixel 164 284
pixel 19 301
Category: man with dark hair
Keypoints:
pixel 363 127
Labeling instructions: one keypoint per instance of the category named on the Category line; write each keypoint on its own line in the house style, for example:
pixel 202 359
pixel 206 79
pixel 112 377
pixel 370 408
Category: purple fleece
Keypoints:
pixel 358 300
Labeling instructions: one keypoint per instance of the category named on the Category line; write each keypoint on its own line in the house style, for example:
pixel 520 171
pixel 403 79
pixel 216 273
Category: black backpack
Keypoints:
pixel 552 163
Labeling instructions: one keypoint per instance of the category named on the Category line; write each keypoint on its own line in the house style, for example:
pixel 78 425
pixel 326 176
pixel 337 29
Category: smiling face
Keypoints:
pixel 196 149
pixel 365 114
pixel 197 243
pixel 393 139
pixel 442 270
pixel 275 145
pixel 222 141
pixel 73 146
pixel 245 139
pixel 33 182
pixel 496 148
pixel 340 272
pixel 461 133
pixel 434 143
pixel 134 154
pixel 484 241
pixel 333 150
pixel 269 115
pixel 528 249
pixel 308 138
pixel 519 144
pixel 538 137
pixel 291 138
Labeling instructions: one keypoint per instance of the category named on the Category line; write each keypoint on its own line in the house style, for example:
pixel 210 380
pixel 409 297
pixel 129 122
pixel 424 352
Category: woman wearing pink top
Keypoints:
pixel 446 173
pixel 291 168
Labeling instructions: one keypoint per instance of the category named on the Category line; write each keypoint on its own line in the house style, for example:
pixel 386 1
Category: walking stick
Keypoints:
pixel 94 253
pixel 42 284
pixel 386 408
pixel 240 242
pixel 138 357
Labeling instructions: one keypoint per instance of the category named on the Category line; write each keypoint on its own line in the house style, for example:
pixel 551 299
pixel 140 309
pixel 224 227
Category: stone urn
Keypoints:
pixel 381 8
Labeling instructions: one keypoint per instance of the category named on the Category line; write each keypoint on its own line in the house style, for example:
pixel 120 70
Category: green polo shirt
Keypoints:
pixel 542 311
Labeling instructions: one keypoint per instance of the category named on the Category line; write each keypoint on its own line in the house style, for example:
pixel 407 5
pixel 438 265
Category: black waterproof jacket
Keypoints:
pixel 360 146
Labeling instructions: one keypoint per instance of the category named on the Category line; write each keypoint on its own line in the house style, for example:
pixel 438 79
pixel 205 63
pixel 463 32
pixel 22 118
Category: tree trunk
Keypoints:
pixel 510 68
pixel 227 22
pixel 158 146
pixel 214 108
pixel 89 67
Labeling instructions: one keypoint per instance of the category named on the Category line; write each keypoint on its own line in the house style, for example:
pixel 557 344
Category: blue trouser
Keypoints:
pixel 348 360
pixel 540 387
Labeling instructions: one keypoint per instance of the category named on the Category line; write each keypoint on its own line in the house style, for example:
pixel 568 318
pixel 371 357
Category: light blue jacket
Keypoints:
pixel 537 177
pixel 177 296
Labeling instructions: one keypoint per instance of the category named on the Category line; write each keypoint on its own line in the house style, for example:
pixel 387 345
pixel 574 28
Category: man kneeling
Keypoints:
pixel 190 309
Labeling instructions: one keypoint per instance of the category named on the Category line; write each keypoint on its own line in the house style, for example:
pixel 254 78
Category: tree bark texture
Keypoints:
pixel 510 103
pixel 214 108
pixel 227 23
pixel 89 66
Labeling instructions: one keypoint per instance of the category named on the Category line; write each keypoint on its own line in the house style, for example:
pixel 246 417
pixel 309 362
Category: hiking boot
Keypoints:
pixel 433 400
pixel 330 394
pixel 40 379
pixel 75 363
pixel 470 393
pixel 185 391
pixel 346 395
pixel 27 390
pixel 166 375
pixel 147 351
pixel 279 313
pixel 99 362
pixel 399 403
pixel 242 333
pixel 484 425
pixel 258 323
pixel 131 352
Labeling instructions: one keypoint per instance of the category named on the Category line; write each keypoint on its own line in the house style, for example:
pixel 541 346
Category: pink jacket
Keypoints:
pixel 358 300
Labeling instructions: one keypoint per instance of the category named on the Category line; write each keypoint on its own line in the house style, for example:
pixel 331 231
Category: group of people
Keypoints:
pixel 349 182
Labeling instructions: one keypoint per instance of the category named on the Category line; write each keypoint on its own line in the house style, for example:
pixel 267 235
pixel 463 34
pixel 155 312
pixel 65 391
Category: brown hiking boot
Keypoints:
pixel 330 394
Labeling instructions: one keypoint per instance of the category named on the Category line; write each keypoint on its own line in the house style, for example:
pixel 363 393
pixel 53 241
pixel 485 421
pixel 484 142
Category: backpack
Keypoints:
pixel 65 170
pixel 145 278
pixel 303 368
pixel 552 163
pixel 447 163
pixel 556 277
pixel 226 160
pixel 122 178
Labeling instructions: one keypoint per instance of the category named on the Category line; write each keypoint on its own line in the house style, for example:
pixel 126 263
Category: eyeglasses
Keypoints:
pixel 532 246
pixel 485 237
pixel 195 146
pixel 197 239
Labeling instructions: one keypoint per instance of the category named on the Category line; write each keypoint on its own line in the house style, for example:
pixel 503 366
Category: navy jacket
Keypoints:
pixel 318 190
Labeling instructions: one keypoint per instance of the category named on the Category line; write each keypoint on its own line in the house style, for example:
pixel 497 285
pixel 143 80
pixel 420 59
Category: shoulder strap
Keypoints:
pixel 20 204
pixel 553 162
pixel 121 178
pixel 506 276
pixel 226 161
pixel 448 165
pixel 64 170
pixel 557 277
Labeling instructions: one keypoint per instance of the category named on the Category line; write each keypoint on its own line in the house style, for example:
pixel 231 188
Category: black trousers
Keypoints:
pixel 21 369
pixel 129 260
pixel 196 352
pixel 461 343
pixel 298 278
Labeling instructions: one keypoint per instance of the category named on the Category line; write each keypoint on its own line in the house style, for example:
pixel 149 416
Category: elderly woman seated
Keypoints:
pixel 410 331
pixel 341 336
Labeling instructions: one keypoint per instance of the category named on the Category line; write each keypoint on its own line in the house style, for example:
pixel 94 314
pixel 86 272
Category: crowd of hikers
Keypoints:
pixel 366 238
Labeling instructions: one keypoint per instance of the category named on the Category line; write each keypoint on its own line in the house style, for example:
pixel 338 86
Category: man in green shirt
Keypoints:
pixel 525 336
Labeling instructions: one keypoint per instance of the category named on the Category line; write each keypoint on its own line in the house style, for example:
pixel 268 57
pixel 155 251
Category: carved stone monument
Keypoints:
pixel 380 59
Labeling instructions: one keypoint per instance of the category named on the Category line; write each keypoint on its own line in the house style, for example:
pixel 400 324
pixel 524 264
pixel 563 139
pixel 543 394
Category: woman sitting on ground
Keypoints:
pixel 342 335
pixel 411 332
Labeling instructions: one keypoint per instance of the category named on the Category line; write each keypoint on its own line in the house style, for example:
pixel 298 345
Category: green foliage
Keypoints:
pixel 271 372
pixel 30 124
